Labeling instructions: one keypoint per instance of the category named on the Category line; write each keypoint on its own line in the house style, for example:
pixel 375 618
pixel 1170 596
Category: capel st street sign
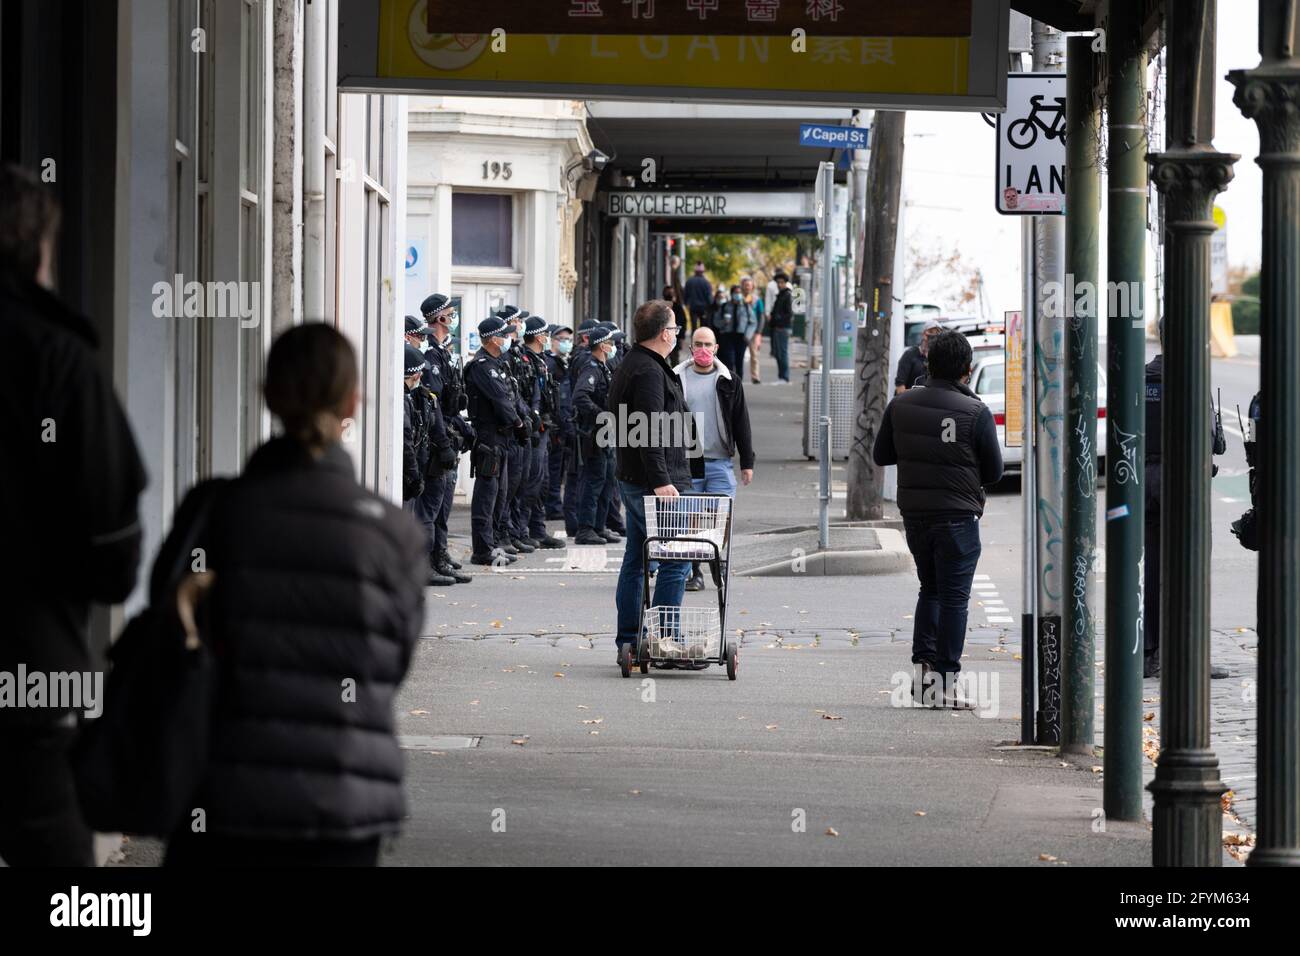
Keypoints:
pixel 922 54
pixel 828 136
pixel 1031 146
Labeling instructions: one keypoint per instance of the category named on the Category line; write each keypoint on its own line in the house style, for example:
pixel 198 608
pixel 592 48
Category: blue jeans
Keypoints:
pixel 946 551
pixel 670 582
pixel 719 477
pixel 781 352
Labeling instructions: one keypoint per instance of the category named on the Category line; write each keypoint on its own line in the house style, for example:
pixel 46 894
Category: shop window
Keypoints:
pixel 482 231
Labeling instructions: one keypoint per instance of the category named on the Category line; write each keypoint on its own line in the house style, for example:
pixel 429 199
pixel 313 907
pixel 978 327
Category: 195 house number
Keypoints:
pixel 496 170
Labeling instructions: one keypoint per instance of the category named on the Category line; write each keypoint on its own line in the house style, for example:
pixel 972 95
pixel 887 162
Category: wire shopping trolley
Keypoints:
pixel 685 528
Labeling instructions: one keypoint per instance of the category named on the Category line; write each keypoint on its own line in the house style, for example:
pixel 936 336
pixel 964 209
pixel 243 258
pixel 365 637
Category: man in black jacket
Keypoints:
pixel 779 326
pixel 699 297
pixel 69 492
pixel 651 456
pixel 944 442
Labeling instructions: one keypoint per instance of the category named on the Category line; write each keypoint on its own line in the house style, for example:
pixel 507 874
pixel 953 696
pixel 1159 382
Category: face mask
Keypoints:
pixel 564 347
pixel 702 356
pixel 736 297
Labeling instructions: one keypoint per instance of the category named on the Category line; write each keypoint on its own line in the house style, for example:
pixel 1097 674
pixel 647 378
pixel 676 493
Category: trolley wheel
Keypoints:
pixel 733 661
pixel 625 660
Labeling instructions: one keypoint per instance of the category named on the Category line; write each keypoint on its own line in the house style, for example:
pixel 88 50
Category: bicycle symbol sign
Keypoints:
pixel 1031 146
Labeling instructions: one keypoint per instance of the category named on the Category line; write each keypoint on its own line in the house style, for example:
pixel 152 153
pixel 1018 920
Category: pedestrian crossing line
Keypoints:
pixel 1001 620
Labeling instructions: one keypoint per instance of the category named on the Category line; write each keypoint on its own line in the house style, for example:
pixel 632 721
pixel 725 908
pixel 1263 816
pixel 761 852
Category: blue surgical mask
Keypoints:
pixel 564 347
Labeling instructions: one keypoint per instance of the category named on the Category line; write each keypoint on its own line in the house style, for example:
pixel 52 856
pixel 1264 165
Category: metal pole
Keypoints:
pixel 1028 496
pixel 1049 425
pixel 1187 824
pixel 1268 94
pixel 1125 411
pixel 828 355
pixel 1082 187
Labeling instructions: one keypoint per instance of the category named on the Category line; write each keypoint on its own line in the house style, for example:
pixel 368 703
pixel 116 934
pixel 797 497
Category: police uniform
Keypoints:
pixel 560 439
pixel 415 432
pixel 533 516
pixel 1151 528
pixel 511 529
pixel 494 413
pixel 442 377
pixel 590 401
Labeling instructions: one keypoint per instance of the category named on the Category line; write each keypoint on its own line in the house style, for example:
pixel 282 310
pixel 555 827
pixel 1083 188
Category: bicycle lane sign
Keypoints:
pixel 1031 146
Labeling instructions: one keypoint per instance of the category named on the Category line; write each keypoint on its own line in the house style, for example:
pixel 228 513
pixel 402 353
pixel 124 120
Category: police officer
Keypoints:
pixel 510 530
pixel 1151 530
pixel 536 339
pixel 494 413
pixel 414 429
pixel 429 450
pixel 590 400
pixel 443 378
pixel 559 446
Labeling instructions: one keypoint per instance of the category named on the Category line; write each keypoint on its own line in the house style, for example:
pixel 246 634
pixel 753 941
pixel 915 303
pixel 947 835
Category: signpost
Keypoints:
pixel 1031 146
pixel 829 136
pixel 932 54
pixel 825 193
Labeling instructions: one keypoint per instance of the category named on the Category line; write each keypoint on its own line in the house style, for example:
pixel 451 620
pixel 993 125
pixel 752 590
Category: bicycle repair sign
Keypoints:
pixel 1031 146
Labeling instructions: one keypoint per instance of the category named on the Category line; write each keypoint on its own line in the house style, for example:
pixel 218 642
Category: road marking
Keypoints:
pixel 1000 620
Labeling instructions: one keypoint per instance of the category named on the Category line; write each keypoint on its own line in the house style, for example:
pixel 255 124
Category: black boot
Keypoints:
pixel 589 536
pixel 446 558
pixel 444 568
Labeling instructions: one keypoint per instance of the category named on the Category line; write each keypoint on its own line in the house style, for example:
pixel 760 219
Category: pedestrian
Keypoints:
pixel 1151 524
pixel 533 489
pixel 444 379
pixel 734 328
pixel 314 599
pixel 779 324
pixel 716 400
pixel 945 444
pixel 720 299
pixel 69 499
pixel 560 438
pixel 645 389
pixel 494 413
pixel 590 404
pixel 679 316
pixel 911 364
pixel 699 297
pixel 755 342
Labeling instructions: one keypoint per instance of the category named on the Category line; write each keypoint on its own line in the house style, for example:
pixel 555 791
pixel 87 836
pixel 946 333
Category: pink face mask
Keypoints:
pixel 702 356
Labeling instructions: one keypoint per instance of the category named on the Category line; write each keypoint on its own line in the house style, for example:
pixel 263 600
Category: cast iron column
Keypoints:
pixel 1125 410
pixel 1188 822
pixel 1270 95
pixel 1082 188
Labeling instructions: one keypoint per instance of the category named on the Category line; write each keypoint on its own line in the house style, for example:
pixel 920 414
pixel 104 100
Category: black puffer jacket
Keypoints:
pixel 945 444
pixel 645 384
pixel 319 589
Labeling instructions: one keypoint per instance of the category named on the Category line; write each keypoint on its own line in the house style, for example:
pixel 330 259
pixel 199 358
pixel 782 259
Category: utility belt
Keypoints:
pixel 487 459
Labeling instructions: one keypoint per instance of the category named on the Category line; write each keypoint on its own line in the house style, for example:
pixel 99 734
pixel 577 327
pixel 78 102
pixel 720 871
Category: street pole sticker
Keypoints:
pixel 1031 146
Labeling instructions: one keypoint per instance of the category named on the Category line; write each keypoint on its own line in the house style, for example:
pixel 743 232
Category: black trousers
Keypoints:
pixel 40 821
pixel 483 506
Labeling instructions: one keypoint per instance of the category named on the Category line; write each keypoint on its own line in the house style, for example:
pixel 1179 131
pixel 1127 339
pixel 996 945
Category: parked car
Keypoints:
pixel 914 325
pixel 988 382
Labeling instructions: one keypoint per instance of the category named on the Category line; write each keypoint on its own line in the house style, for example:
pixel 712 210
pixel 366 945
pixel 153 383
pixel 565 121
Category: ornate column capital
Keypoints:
pixel 1188 180
pixel 1270 95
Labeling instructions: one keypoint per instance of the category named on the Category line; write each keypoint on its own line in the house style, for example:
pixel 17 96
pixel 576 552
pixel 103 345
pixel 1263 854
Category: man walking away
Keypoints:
pixel 911 364
pixel 69 491
pixel 716 400
pixel 779 327
pixel 944 442
pixel 646 388
pixel 699 297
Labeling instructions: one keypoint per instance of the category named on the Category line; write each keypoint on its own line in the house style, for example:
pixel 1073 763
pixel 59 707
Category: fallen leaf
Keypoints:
pixel 583 707
pixel 1047 858
pixel 520 741
pixel 1149 715
pixel 635 793
pixel 1095 769
pixel 831 831
pixel 473 702
pixel 770 727
pixel 507 670
pixel 557 674
pixel 594 733
pixel 497 624
pixel 831 717
pixel 918 813
pixel 1225 801
pixel 595 720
